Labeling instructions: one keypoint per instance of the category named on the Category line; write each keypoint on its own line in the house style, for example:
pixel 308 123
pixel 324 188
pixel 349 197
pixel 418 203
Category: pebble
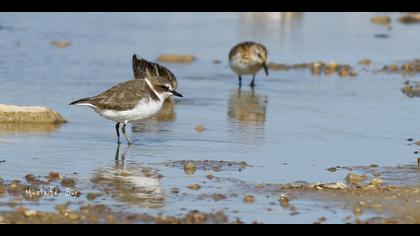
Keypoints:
pixel 174 190
pixel 284 201
pixel 249 199
pixel 194 187
pixel 381 20
pixel 30 177
pixel 61 43
pixel 354 179
pixel 332 169
pixel 53 175
pixel 200 128
pixel 190 168
pixel 68 183
pixel 173 58
pixel 30 213
pixel 218 197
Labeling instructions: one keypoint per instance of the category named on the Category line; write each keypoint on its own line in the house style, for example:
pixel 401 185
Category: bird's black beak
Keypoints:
pixel 265 68
pixel 175 93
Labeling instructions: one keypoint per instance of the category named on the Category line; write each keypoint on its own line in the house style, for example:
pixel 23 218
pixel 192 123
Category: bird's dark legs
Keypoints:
pixel 240 80
pixel 253 81
pixel 117 129
pixel 125 134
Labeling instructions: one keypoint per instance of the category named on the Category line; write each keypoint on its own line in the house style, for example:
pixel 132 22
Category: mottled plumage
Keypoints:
pixel 248 58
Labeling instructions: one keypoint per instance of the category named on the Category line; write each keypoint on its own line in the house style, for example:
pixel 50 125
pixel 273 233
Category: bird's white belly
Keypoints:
pixel 143 111
pixel 244 69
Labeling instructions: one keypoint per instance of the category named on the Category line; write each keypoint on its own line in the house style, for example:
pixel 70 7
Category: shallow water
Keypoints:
pixel 291 128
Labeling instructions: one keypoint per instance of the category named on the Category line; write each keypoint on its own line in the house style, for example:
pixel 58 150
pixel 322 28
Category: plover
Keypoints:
pixel 143 68
pixel 248 58
pixel 131 101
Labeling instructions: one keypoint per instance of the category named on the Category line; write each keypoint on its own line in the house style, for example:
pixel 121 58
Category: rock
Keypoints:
pixel 249 199
pixel 200 128
pixel 70 183
pixel 173 58
pixel 195 217
pixel 365 62
pixel 417 143
pixel 284 201
pixel 30 213
pixel 218 197
pixel 190 168
pixel 217 61
pixel 34 114
pixel 382 20
pixel 194 187
pixel 354 179
pixel 377 182
pixel 93 196
pixel 61 43
pixel 332 169
pixel 333 186
pixel 74 216
pixel 174 190
pixel 30 177
pixel 410 18
pixel 53 175
pixel 322 219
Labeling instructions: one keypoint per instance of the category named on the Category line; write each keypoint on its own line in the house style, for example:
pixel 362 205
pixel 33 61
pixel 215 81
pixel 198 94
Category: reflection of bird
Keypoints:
pixel 131 183
pixel 247 107
pixel 144 69
pixel 248 58
pixel 131 101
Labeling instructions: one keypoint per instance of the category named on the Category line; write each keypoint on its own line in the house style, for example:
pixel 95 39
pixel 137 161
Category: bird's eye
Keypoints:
pixel 164 87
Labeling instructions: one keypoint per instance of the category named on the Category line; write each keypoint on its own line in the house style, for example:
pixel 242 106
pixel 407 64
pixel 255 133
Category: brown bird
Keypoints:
pixel 248 58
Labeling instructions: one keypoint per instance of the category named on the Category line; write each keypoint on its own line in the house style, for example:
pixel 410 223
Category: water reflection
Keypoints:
pixel 247 111
pixel 247 107
pixel 130 182
pixel 159 122
pixel 8 128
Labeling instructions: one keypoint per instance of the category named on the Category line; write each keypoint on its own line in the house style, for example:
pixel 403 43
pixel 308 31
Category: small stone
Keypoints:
pixel 218 197
pixel 357 211
pixel 322 219
pixel 194 187
pixel 200 128
pixel 217 61
pixel 332 169
pixel 354 179
pixel 74 216
pixel 174 190
pixel 195 217
pixel 61 43
pixel 30 177
pixel 70 183
pixel 417 143
pixel 284 201
pixel 173 58
pixel 190 168
pixel 53 175
pixel 92 196
pixel 365 62
pixel 249 199
pixel 210 176
pixel 30 213
pixel 376 182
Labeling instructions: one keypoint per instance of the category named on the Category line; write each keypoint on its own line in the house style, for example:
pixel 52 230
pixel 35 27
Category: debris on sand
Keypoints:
pixel 408 67
pixel 174 58
pixel 365 62
pixel 34 114
pixel 318 68
pixel 381 20
pixel 190 168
